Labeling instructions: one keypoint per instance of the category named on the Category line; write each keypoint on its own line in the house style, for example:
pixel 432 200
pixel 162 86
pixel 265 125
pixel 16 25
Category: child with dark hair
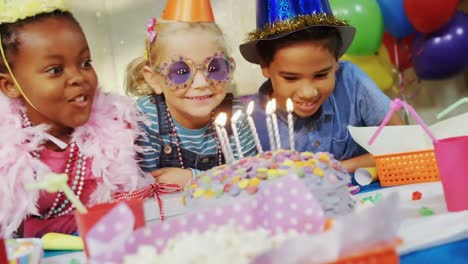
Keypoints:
pixel 54 120
pixel 298 51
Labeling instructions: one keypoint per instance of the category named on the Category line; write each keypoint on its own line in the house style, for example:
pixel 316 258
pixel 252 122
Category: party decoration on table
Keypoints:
pixel 373 198
pixel 416 196
pixel 367 18
pixel 56 183
pixel 395 20
pixel 24 250
pixel 452 107
pixel 448 138
pixel 74 261
pixel 58 241
pixel 353 189
pixel 375 243
pixel 98 235
pixel 365 176
pixel 424 211
pixel 428 16
pixel 442 54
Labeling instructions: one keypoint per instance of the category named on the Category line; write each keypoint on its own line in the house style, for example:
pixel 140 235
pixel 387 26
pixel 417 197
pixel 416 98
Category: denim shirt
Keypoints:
pixel 356 101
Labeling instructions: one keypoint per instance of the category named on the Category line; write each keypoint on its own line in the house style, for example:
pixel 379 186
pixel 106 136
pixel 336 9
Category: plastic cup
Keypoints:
pixel 452 160
pixel 365 176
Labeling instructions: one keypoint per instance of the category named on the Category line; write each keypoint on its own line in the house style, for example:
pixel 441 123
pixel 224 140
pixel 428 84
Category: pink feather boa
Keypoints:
pixel 108 137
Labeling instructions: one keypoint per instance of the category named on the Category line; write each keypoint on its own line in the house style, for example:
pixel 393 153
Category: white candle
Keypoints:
pixel 234 119
pixel 250 108
pixel 271 136
pixel 275 125
pixel 220 121
pixel 290 109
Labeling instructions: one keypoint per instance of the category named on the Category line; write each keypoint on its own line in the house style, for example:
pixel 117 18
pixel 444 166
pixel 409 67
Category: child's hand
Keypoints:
pixel 172 176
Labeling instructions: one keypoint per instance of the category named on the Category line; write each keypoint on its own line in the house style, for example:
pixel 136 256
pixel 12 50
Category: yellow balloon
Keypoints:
pixel 378 67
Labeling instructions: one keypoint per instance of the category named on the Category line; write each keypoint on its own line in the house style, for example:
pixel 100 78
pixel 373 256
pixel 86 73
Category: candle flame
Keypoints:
pixel 221 119
pixel 273 102
pixel 250 107
pixel 236 116
pixel 289 105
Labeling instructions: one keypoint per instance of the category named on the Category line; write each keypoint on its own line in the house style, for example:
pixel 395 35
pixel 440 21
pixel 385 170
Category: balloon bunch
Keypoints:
pixel 394 35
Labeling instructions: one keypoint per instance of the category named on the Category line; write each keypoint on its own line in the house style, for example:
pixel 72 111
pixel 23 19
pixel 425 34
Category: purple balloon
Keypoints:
pixel 442 54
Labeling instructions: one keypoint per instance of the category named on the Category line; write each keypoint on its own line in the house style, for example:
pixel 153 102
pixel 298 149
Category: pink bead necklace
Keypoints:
pixel 76 163
pixel 177 139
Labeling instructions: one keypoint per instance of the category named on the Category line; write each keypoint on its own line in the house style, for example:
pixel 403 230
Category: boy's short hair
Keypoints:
pixel 328 37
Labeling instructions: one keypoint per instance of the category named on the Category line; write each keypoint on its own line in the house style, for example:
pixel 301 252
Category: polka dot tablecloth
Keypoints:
pixel 282 206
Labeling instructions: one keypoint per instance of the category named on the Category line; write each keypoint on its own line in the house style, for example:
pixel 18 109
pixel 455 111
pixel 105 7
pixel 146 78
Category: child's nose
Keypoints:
pixel 308 91
pixel 76 77
pixel 199 80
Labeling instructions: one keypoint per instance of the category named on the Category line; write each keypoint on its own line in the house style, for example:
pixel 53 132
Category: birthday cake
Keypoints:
pixel 321 173
pixel 221 244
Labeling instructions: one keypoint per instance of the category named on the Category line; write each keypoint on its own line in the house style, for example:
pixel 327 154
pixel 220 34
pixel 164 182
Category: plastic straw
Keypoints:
pixel 55 183
pixel 452 107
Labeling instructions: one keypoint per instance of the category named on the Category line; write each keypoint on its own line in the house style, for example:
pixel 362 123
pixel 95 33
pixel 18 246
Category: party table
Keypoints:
pixel 438 238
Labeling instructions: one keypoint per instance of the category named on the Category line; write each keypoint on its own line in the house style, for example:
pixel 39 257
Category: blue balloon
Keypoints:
pixel 395 20
pixel 442 54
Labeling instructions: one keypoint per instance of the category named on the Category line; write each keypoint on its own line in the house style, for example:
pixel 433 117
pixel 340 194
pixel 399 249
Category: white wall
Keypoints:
pixel 115 30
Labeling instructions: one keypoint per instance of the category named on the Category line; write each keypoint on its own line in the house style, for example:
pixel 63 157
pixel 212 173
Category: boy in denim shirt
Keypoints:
pixel 297 45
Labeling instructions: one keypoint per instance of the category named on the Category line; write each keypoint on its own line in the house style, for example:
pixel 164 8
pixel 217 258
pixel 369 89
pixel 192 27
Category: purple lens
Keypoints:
pixel 178 72
pixel 218 69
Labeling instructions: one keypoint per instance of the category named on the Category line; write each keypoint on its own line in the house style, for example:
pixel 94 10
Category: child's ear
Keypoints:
pixel 151 79
pixel 265 69
pixel 7 86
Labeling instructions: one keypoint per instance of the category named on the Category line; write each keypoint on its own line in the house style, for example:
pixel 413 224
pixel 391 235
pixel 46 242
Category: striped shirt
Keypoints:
pixel 201 141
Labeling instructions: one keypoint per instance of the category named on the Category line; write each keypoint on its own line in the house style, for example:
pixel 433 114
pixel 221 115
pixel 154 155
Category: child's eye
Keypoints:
pixel 321 75
pixel 86 64
pixel 55 70
pixel 290 78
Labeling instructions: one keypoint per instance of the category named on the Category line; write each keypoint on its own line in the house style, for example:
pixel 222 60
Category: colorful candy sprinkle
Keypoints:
pixel 416 196
pixel 424 211
pixel 243 183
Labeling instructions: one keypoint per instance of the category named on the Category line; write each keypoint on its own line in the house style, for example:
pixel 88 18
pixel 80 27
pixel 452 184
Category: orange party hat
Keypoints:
pixel 188 11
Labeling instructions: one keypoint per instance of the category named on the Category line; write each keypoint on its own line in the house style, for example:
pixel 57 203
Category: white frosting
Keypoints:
pixel 224 244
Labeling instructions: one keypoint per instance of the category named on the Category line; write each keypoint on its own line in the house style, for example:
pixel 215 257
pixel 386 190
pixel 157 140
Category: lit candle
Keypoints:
pixel 275 125
pixel 250 108
pixel 290 109
pixel 271 137
pixel 224 139
pixel 234 119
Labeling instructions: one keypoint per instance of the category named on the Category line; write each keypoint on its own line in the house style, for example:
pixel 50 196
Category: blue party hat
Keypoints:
pixel 278 18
